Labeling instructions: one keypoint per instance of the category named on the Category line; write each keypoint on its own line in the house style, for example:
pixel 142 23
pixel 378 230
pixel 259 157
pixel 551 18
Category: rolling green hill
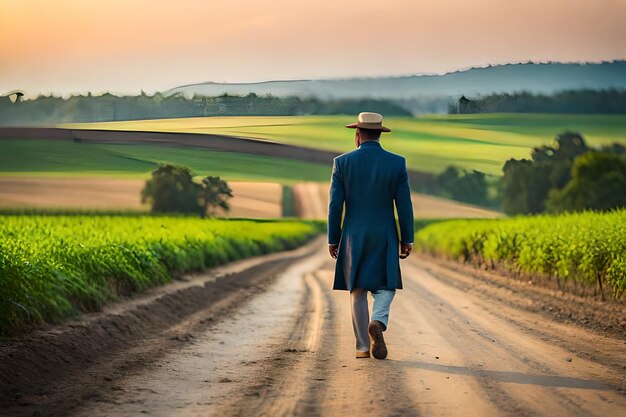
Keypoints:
pixel 430 143
pixel 41 157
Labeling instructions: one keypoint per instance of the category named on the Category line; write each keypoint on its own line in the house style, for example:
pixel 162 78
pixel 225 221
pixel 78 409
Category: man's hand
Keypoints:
pixel 333 249
pixel 405 250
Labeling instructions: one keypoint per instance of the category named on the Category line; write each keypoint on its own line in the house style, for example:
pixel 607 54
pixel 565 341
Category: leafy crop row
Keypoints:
pixel 54 266
pixel 583 248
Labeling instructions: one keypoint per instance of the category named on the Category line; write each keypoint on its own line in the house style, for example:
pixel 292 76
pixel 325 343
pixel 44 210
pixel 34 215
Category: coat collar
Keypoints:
pixel 370 144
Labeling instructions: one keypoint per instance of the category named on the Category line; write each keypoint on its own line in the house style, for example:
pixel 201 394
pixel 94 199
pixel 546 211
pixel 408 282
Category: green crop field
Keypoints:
pixel 54 266
pixel 430 143
pixel 42 157
pixel 581 248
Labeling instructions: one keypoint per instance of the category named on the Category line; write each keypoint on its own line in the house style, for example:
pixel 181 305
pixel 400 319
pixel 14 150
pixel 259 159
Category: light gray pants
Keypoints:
pixel 360 313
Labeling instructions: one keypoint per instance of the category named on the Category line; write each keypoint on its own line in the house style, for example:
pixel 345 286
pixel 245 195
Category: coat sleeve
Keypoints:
pixel 335 207
pixel 404 206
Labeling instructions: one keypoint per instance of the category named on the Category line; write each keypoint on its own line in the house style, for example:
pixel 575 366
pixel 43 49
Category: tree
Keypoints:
pixel 467 186
pixel 611 101
pixel 598 183
pixel 172 190
pixel 471 188
pixel 569 145
pixel 526 184
pixel 215 192
pixel 444 180
pixel 467 106
pixel 515 184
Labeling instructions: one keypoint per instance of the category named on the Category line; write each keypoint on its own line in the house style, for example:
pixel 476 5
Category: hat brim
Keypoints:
pixel 370 126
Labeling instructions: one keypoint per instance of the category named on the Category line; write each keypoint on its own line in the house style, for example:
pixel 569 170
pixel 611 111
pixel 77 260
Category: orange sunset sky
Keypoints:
pixel 123 46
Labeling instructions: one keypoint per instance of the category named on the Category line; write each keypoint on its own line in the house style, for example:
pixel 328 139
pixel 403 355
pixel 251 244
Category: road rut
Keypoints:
pixel 455 349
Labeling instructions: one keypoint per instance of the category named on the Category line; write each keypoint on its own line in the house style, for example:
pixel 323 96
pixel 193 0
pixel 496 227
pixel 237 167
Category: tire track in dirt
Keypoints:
pixel 606 318
pixel 321 376
pixel 291 352
pixel 507 299
pixel 290 380
pixel 521 372
pixel 53 371
pixel 283 345
pixel 236 358
pixel 363 387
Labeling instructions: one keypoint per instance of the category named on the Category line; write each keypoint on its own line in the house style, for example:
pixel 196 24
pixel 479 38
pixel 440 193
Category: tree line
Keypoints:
pixel 611 101
pixel 109 107
pixel 567 176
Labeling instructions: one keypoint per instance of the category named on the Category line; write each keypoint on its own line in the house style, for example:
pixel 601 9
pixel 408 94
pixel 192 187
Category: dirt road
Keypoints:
pixel 458 346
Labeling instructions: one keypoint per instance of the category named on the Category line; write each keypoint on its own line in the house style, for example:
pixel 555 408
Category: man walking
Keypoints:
pixel 369 180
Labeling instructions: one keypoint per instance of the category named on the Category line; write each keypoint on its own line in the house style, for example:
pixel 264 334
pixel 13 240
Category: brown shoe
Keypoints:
pixel 360 354
pixel 379 349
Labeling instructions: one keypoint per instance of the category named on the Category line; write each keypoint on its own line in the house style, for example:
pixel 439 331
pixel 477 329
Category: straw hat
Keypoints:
pixel 368 120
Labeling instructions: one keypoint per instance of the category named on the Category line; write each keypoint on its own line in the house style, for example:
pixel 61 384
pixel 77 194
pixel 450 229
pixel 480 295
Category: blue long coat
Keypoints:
pixel 369 180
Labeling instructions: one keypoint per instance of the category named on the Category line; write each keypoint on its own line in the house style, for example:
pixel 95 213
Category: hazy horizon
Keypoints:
pixel 30 95
pixel 122 47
